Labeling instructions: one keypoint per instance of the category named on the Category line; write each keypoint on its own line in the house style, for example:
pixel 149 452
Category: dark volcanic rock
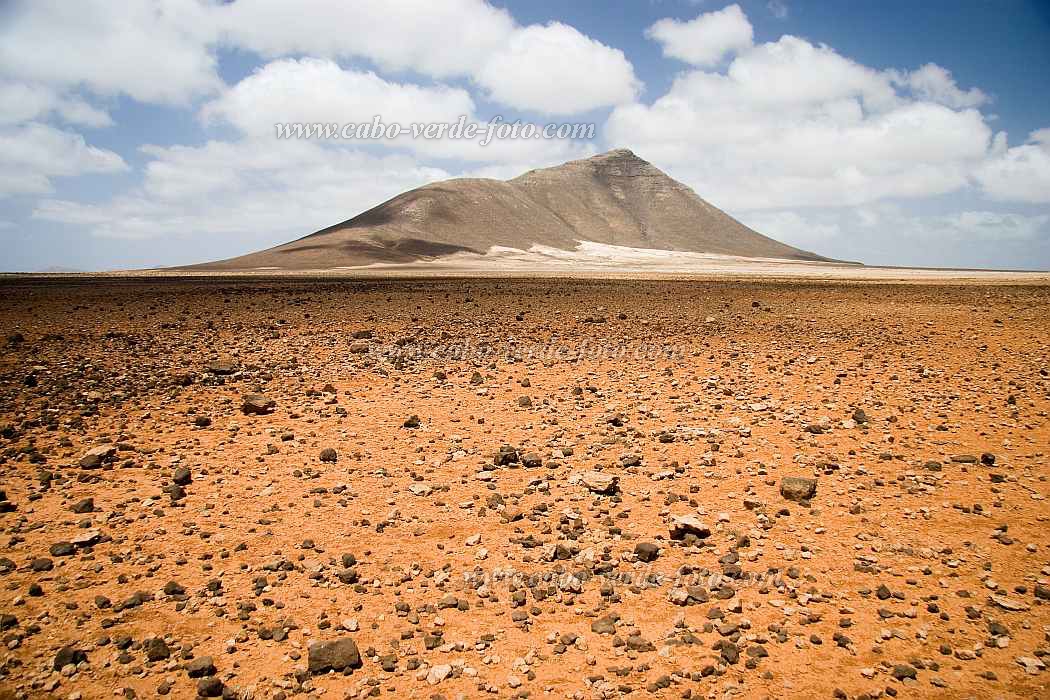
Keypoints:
pixel 200 667
pixel 97 456
pixel 86 505
pixel 68 655
pixel 796 488
pixel 257 404
pixel 336 655
pixel 646 551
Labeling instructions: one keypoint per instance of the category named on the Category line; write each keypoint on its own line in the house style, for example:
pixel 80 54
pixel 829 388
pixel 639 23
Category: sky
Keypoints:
pixel 142 133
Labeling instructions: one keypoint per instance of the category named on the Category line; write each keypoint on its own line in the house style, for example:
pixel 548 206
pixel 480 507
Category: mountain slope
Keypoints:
pixel 615 198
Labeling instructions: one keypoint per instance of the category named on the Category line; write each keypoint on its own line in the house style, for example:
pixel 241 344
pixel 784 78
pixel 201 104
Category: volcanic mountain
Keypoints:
pixel 613 199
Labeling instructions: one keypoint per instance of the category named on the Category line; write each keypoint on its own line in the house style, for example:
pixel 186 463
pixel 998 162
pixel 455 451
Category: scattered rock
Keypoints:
pixel 796 488
pixel 600 482
pixel 97 456
pixel 336 655
pixel 257 404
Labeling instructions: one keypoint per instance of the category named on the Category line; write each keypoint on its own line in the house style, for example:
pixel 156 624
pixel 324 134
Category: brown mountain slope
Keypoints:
pixel 615 198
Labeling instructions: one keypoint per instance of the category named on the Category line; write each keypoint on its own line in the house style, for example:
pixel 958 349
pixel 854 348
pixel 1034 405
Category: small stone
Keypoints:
pixel 421 489
pixel 1009 603
pixel 62 549
pixel 682 525
pixel 209 687
pixel 336 655
pixel 97 456
pixel 646 551
pixel 531 460
pixel 222 367
pixel 257 404
pixel 68 656
pixel 438 673
pixel 86 505
pixel 605 625
pixel 200 667
pixel 600 482
pixel 156 649
pixel 796 488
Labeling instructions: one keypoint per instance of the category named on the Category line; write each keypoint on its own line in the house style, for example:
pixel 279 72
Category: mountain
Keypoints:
pixel 615 198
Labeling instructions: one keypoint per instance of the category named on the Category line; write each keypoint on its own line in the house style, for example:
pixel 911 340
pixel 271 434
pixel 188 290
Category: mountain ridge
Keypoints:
pixel 613 198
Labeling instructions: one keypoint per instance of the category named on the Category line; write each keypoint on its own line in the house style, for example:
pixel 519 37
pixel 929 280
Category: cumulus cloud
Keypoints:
pixel 277 189
pixel 551 69
pixel 31 154
pixel 554 69
pixel 439 39
pixel 1021 173
pixel 260 192
pixel 320 91
pixel 228 188
pixel 934 83
pixel 56 43
pixel 791 123
pixel 151 50
pixel 706 40
pixel 21 102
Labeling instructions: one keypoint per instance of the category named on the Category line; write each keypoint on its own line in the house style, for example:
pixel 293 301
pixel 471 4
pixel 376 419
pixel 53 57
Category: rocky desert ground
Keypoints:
pixel 277 488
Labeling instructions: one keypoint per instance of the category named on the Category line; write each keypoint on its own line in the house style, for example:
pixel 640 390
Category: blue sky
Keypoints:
pixel 140 134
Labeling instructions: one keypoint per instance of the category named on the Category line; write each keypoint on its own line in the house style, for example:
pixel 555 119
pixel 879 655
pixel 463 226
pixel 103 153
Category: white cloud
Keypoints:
pixel 554 69
pixel 152 50
pixel 706 40
pixel 164 51
pixel 439 39
pixel 934 83
pixel 1021 173
pixel 319 91
pixel 890 233
pixel 813 229
pixel 987 225
pixel 269 189
pixel 224 188
pixel 21 102
pixel 32 154
pixel 443 40
pixel 790 123
pixel 777 8
pixel 792 72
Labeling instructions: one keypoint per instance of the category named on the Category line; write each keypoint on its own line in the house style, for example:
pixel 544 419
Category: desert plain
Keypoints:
pixel 275 487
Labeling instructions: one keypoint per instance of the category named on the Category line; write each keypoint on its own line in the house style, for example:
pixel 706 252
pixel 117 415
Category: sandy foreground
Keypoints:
pixel 279 486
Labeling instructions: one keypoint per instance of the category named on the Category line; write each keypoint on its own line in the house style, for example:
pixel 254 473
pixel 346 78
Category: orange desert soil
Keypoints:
pixel 276 488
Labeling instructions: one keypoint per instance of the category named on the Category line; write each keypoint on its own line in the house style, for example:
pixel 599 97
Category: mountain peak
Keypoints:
pixel 617 162
pixel 618 153
pixel 613 198
pixel 622 156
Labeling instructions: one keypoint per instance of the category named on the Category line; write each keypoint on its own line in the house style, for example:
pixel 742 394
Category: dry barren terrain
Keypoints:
pixel 277 488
